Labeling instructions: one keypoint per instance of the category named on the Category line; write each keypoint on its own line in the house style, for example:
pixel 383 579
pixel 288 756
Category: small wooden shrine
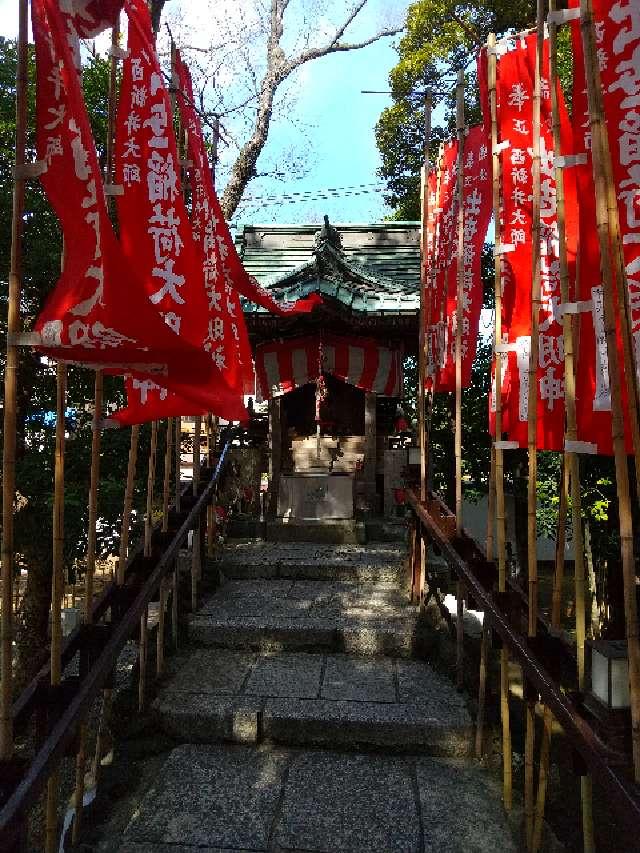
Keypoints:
pixel 333 378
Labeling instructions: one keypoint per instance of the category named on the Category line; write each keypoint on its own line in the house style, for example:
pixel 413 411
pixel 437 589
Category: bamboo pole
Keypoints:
pixel 167 475
pixel 178 424
pixel 93 497
pixel 485 645
pixel 507 780
pixel 570 476
pixel 617 428
pixel 10 394
pixel 197 430
pixel 532 422
pixel 424 281
pixel 151 477
pixel 125 528
pixel 460 130
pixel 57 591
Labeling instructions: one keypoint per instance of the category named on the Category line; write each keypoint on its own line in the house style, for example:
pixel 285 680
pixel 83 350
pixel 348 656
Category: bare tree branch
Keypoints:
pixel 279 68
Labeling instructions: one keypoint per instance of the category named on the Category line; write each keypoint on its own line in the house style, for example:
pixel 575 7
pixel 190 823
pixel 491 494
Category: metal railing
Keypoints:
pixel 116 617
pixel 541 658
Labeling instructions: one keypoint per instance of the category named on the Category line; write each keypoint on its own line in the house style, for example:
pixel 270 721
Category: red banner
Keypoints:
pixel 443 249
pixel 476 217
pixel 156 233
pixel 84 319
pixel 515 99
pixel 227 329
pixel 92 17
pixel 618 50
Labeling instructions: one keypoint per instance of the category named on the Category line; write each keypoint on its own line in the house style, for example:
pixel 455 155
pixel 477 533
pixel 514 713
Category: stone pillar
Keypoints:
pixel 370 436
pixel 275 453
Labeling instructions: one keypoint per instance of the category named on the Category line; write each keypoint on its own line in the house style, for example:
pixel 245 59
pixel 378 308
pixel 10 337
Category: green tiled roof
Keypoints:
pixel 378 268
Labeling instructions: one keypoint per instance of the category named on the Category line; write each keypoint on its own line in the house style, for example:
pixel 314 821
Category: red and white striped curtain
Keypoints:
pixel 282 366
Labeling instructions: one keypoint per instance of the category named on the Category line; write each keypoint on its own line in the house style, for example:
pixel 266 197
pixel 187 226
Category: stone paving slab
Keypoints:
pixel 349 803
pixel 313 699
pixel 312 561
pixel 396 727
pixel 352 679
pixel 461 810
pixel 224 798
pixel 294 675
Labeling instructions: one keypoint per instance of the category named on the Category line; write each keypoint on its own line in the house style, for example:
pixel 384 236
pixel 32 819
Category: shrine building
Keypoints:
pixel 333 379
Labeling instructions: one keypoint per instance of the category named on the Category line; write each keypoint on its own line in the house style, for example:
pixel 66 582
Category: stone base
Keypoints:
pixel 336 531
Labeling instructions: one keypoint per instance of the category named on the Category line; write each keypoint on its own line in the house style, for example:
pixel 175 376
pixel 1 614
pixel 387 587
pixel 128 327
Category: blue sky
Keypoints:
pixel 329 120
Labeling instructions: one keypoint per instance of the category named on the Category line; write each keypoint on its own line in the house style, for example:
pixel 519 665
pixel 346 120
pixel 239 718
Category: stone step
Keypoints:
pixel 227 798
pixel 360 618
pixel 312 561
pixel 333 531
pixel 312 700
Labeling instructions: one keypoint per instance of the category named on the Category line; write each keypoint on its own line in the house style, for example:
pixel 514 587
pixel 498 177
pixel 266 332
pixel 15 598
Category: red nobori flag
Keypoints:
pixel 92 17
pixel 477 215
pixel 444 247
pixel 155 228
pixel 618 50
pixel 98 312
pixel 515 97
pixel 227 329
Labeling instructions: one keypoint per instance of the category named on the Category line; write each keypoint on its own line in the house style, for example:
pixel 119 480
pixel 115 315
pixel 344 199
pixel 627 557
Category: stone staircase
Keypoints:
pixel 303 722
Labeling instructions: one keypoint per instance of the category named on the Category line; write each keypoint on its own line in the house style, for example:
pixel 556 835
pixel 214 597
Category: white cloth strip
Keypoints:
pixel 503 249
pixel 272 371
pixel 567 161
pixel 382 373
pixel 30 170
pixel 113 189
pixel 356 365
pixel 501 146
pixel 580 447
pixel 583 307
pixel 502 349
pixel 506 445
pixel 116 52
pixel 563 16
pixel 300 367
pixel 436 210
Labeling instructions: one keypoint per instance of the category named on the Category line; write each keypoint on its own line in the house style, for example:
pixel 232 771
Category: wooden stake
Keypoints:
pixel 142 658
pixel 93 498
pixel 174 606
pixel 615 376
pixel 160 632
pixel 151 477
pixel 167 475
pixel 507 783
pixel 125 528
pixel 485 646
pixel 197 430
pixel 78 794
pixel 10 396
